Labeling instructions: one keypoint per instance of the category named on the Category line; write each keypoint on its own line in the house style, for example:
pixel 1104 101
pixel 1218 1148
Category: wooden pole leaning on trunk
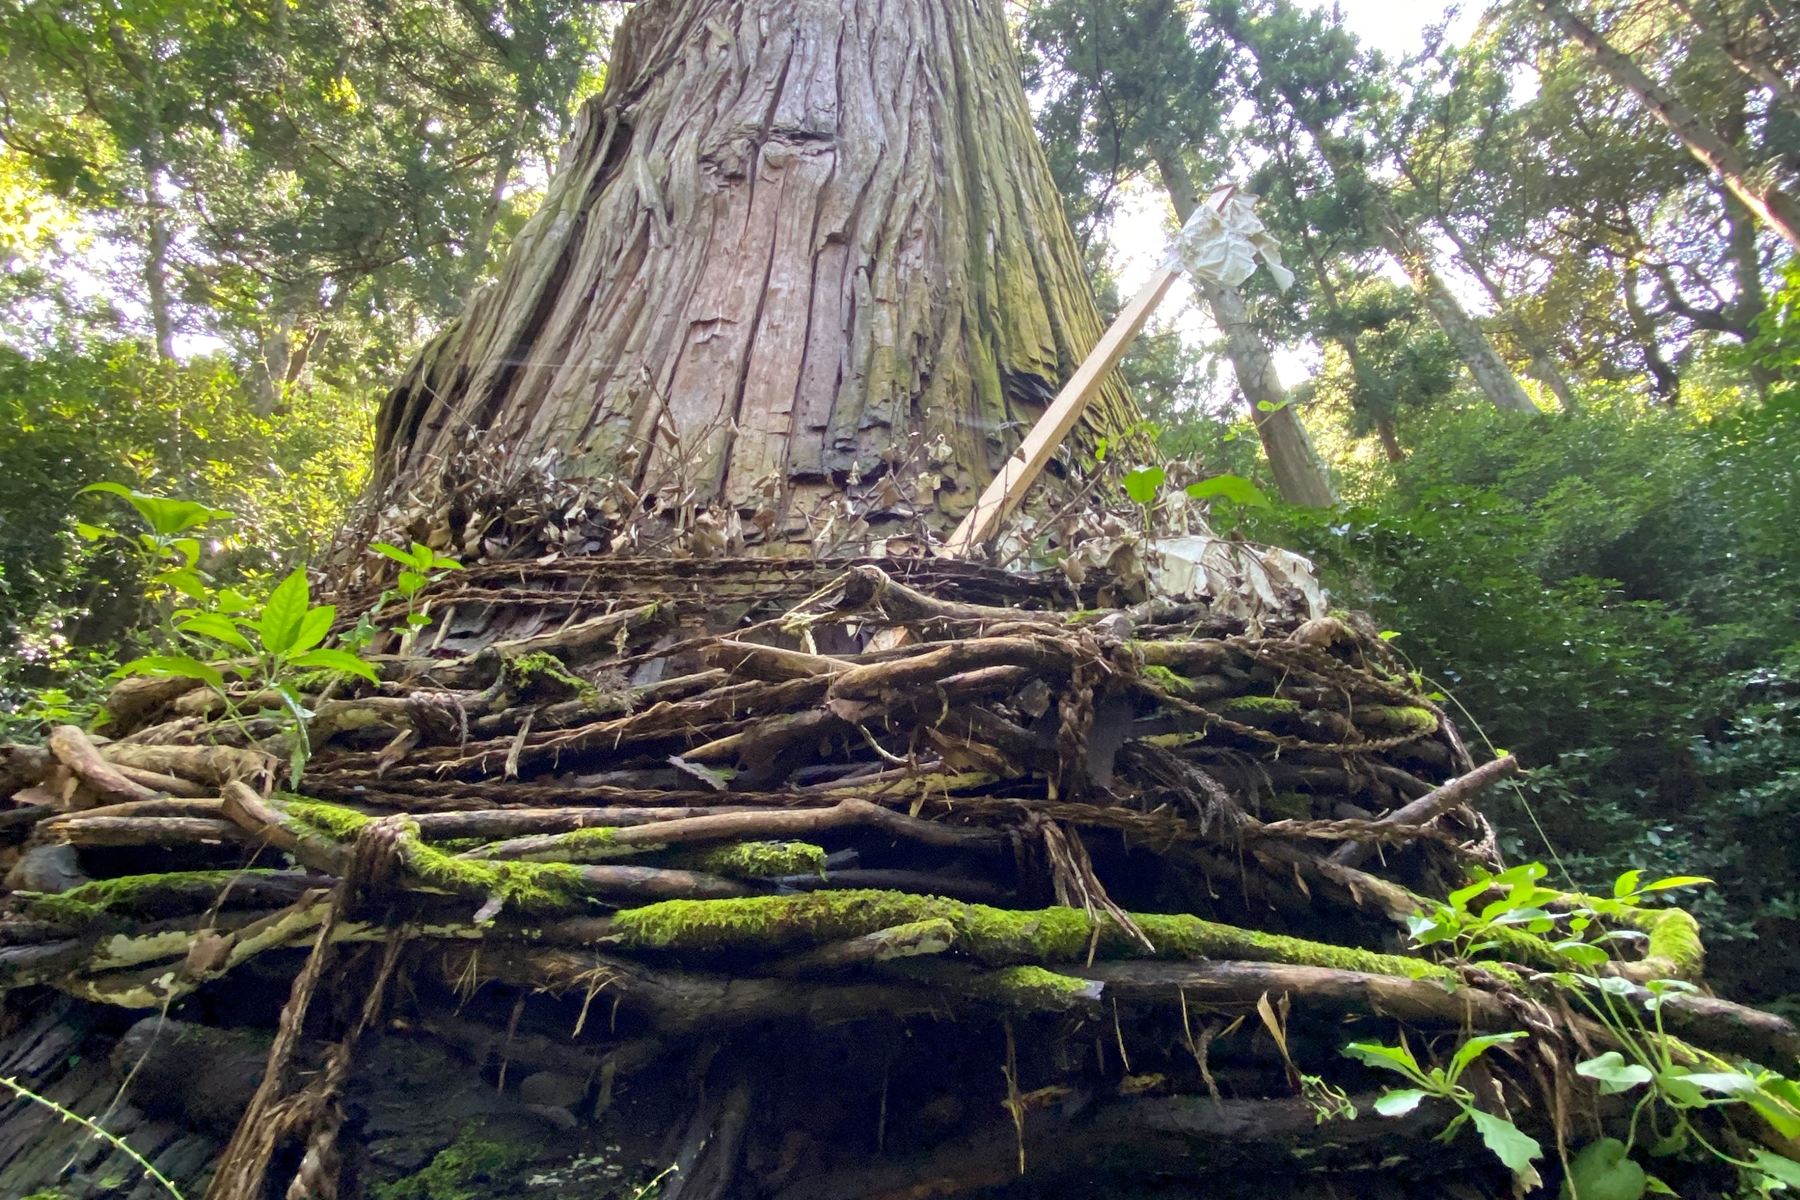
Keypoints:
pixel 1008 488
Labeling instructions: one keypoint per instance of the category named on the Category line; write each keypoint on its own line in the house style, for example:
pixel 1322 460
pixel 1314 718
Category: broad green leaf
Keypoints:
pixel 1475 1047
pixel 219 629
pixel 314 626
pixel 173 664
pixel 1613 1073
pixel 1236 489
pixel 185 580
pixel 189 548
pixel 1626 884
pixel 335 660
pixel 1524 873
pixel 1776 1167
pixel 1602 1171
pixel 440 563
pixel 230 600
pixel 1141 483
pixel 281 616
pixel 409 584
pixel 1510 1145
pixel 1777 1108
pixel 1578 951
pixel 1462 895
pixel 1676 881
pixel 1726 1083
pixel 394 552
pixel 92 533
pixel 1659 1187
pixel 164 516
pixel 1388 1058
pixel 1676 1087
pixel 1399 1103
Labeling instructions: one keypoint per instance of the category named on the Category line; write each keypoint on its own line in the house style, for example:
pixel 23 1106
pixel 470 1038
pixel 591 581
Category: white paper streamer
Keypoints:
pixel 1223 239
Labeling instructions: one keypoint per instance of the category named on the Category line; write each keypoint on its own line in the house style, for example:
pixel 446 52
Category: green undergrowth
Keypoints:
pixel 994 936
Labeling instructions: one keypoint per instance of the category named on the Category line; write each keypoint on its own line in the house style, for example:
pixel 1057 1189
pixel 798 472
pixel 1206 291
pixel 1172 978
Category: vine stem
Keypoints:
pixel 20 1089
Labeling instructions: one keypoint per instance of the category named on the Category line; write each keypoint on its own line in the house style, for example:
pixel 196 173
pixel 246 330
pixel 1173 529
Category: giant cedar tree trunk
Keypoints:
pixel 802 267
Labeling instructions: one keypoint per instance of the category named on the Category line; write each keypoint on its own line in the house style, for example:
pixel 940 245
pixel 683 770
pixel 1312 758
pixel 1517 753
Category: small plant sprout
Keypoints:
pixel 288 632
pixel 419 566
pixel 169 549
pixel 1142 484
pixel 1510 1145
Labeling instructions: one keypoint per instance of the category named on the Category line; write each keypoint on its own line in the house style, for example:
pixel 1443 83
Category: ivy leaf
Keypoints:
pixel 1603 1172
pixel 279 627
pixel 1234 488
pixel 335 660
pixel 1613 1073
pixel 1510 1145
pixel 173 664
pixel 1400 1102
pixel 1141 483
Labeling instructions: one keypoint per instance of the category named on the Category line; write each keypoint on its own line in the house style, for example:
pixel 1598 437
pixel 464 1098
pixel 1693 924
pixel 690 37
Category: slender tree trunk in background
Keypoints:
pixel 1389 438
pixel 1489 370
pixel 156 265
pixel 1665 379
pixel 483 235
pixel 150 160
pixel 1774 207
pixel 1543 367
pixel 803 268
pixel 1384 421
pixel 1300 475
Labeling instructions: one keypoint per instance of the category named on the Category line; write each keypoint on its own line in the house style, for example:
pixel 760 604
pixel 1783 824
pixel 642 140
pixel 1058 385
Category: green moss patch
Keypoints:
pixel 756 860
pixel 995 936
pixel 91 900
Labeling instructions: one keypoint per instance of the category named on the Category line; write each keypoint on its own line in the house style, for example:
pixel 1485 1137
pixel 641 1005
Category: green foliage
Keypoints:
pixel 288 630
pixel 419 566
pixel 71 607
pixel 1672 1092
pixel 1511 1146
pixel 1609 596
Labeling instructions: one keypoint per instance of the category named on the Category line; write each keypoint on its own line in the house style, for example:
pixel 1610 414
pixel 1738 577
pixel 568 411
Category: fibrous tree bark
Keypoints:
pixel 1774 207
pixel 802 269
pixel 1299 472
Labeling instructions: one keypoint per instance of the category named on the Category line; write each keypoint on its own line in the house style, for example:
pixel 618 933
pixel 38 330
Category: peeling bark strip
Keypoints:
pixel 792 248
